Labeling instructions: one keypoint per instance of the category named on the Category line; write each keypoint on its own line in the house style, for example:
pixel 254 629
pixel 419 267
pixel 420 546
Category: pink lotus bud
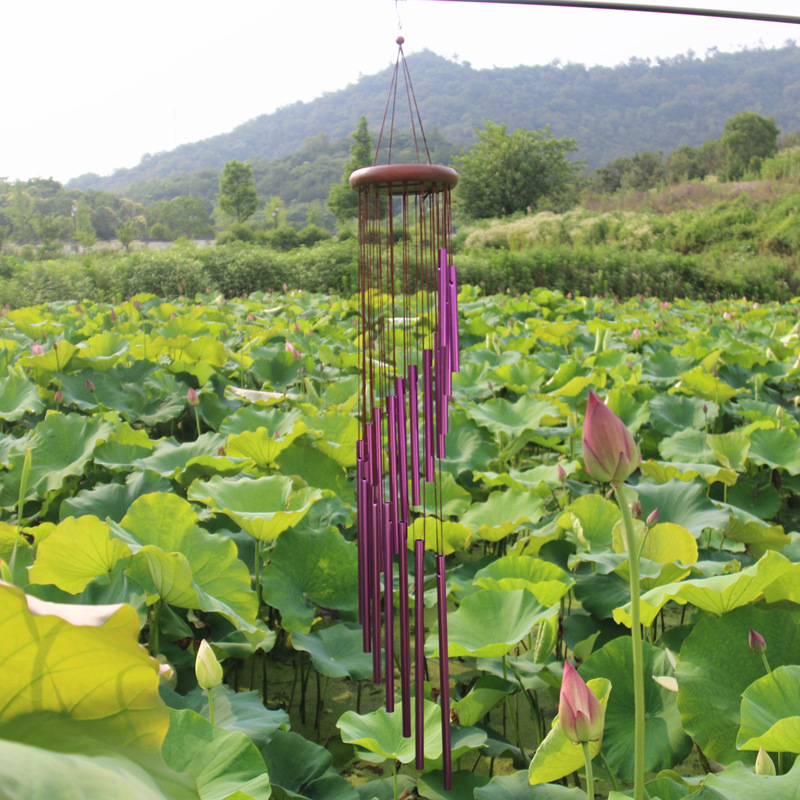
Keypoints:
pixel 192 397
pixel 58 396
pixel 579 712
pixel 664 305
pixel 251 318
pixel 569 295
pixel 757 642
pixel 113 316
pixel 636 335
pixel 290 349
pixel 562 476
pixel 652 518
pixel 726 315
pixel 610 453
pixel 90 386
pixel 297 327
pixel 755 306
pixel 137 305
pixel 37 349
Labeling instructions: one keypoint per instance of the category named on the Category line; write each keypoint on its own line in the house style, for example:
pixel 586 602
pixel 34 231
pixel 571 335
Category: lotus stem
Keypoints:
pixel 587 757
pixel 636 645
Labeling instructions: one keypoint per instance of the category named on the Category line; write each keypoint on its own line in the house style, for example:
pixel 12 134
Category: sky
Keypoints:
pixel 93 85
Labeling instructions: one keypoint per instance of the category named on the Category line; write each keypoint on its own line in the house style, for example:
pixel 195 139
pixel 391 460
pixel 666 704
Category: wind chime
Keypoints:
pixel 408 352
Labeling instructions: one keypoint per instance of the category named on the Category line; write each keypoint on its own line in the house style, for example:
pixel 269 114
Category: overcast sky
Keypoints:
pixel 92 85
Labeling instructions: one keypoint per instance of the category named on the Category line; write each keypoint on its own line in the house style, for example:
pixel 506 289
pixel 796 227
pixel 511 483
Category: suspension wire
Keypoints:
pixel 610 5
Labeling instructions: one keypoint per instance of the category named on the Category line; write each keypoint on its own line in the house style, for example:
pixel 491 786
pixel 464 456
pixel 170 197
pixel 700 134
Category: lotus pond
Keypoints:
pixel 140 518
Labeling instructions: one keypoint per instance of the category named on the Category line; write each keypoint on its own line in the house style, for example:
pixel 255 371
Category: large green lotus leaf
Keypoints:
pixel 672 413
pixel 468 447
pixel 260 445
pixel 665 471
pixel 489 623
pixel 771 712
pixel 61 445
pixel 318 470
pixel 685 504
pixel 66 764
pixel 119 457
pixel 591 520
pixel 381 732
pixel 224 763
pixel 263 507
pixel 688 446
pixel 717 594
pixel 547 582
pixel 523 377
pixel 430 786
pixel 487 692
pixel 279 371
pixel 18 397
pixel 101 351
pixel 557 756
pixel 502 513
pixel 298 768
pixel 183 564
pixel 112 500
pixel 633 413
pixel 662 367
pixel 336 651
pixel 75 553
pixel 309 574
pixel 717 665
pixel 737 782
pixel 517 787
pixel 169 458
pixel 202 349
pixel 56 359
pixel 80 664
pixel 233 711
pixel 338 430
pixel 777 448
pixel 527 479
pixel 730 448
pixel 449 500
pixel 501 416
pixel 441 537
pixel 666 744
pixel 703 384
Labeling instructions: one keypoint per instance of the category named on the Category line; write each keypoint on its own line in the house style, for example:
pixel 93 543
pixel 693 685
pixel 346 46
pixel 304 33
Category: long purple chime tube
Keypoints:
pixel 408 342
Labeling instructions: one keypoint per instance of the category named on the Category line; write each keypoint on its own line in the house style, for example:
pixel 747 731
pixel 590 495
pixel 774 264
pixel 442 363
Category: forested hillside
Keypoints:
pixel 612 112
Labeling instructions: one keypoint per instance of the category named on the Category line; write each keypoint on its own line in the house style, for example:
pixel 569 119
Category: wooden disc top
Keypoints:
pixel 413 178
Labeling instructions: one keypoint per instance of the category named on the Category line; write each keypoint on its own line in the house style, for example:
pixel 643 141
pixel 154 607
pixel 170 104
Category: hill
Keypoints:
pixel 613 112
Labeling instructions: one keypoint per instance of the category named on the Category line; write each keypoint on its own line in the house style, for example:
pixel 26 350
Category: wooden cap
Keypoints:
pixel 412 177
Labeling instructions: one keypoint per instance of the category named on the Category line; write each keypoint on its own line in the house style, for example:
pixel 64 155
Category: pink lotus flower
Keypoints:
pixel 291 349
pixel 636 335
pixel 37 349
pixel 610 453
pixel 579 712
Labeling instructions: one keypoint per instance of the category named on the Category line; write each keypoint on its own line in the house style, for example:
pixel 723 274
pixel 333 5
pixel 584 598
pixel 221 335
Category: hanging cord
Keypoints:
pixel 413 109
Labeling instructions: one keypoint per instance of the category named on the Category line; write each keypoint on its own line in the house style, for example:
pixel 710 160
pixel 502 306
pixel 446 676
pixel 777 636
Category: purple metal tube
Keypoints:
pixel 391 446
pixel 388 603
pixel 375 600
pixel 427 411
pixel 360 532
pixel 402 451
pixel 365 560
pixel 413 422
pixel 375 450
pixel 454 345
pixel 444 673
pixel 405 632
pixel 419 651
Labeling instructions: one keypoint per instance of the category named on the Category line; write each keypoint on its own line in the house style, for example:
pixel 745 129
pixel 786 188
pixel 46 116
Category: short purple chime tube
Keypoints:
pixel 408 350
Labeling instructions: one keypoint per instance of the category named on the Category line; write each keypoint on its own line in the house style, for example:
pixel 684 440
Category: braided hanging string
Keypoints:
pixel 408 344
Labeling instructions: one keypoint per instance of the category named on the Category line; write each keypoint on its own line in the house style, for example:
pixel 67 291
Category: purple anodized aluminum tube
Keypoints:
pixel 388 603
pixel 391 447
pixel 453 318
pixel 402 450
pixel 413 425
pixel 405 631
pixel 444 672
pixel 376 454
pixel 427 411
pixel 375 591
pixel 419 651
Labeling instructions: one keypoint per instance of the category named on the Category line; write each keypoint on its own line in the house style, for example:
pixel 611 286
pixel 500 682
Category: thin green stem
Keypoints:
pixel 587 757
pixel 636 645
pixel 197 421
pixel 611 775
pixel 211 706
pixel 766 663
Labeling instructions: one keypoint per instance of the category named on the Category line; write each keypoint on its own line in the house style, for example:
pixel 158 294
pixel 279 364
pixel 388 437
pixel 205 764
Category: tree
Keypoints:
pixel 505 172
pixel 342 200
pixel 237 191
pixel 748 139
